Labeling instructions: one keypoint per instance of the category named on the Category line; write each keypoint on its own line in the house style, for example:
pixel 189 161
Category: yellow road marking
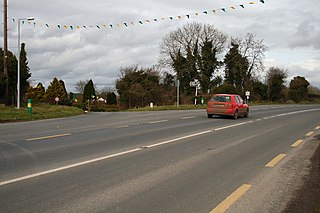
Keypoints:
pixel 47 137
pixel 275 160
pixel 318 127
pixel 297 143
pixel 309 134
pixel 231 199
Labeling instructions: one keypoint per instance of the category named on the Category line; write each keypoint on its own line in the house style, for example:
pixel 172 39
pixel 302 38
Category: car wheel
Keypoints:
pixel 235 115
pixel 209 115
pixel 246 114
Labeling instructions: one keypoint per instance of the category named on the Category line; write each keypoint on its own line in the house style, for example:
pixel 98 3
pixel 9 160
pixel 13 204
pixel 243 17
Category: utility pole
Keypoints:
pixel 5 52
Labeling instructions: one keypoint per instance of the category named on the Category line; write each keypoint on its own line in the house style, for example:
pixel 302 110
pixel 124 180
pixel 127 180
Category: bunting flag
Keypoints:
pixel 141 22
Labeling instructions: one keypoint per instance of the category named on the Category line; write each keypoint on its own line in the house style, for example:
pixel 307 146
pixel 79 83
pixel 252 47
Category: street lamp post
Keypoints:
pixel 18 74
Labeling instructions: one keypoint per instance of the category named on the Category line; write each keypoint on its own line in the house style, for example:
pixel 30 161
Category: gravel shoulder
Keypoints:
pixel 292 186
pixel 307 198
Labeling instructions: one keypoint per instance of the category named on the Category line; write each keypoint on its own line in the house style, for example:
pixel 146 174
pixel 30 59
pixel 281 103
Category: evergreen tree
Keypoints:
pixel 208 63
pixel 12 78
pixel 89 92
pixel 24 70
pixel 12 75
pixel 183 70
pixel 55 89
pixel 36 94
pixel 236 67
pixel 64 97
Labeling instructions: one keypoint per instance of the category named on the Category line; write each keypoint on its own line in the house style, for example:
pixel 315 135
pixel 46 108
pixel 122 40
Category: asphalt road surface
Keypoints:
pixel 168 161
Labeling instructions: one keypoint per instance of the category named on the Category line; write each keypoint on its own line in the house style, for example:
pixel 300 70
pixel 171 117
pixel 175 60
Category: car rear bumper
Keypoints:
pixel 218 111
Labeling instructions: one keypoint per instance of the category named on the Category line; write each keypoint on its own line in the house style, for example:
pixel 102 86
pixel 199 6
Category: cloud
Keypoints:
pixel 290 30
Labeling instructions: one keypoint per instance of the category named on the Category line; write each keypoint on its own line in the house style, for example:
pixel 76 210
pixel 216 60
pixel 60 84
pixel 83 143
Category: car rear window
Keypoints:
pixel 221 98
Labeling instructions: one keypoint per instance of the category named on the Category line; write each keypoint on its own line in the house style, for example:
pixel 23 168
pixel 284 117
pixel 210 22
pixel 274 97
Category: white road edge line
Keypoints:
pixel 67 167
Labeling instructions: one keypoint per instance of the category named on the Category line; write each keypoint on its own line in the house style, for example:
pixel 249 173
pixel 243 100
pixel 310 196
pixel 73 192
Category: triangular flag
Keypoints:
pixel 188 16
pixel 232 7
pixel 140 22
pixel 205 12
pixel 47 25
pixel 155 19
pixel 223 9
pixel 71 27
pixel 262 1
pixel 241 5
pixel 58 26
pixel 111 26
pixel 214 11
pixel 98 26
pixel 125 24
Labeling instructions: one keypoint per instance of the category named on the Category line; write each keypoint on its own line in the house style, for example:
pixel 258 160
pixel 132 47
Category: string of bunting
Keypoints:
pixel 140 22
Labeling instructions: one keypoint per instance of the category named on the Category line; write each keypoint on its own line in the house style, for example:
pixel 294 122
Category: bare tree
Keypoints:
pixel 191 52
pixel 80 86
pixel 189 38
pixel 253 50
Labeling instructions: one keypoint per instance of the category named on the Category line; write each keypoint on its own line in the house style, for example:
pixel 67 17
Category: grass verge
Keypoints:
pixel 11 114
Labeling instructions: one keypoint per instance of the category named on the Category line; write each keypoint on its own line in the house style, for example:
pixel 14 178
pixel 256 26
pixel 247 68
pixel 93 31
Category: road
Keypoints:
pixel 168 161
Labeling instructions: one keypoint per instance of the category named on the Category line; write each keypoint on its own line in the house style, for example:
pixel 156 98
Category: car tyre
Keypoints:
pixel 209 115
pixel 246 115
pixel 235 115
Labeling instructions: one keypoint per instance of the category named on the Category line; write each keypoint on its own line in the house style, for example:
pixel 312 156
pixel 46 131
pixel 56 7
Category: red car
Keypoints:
pixel 227 104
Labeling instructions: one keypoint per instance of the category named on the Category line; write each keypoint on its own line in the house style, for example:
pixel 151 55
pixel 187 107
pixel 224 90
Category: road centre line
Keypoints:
pixel 297 143
pixel 183 118
pixel 178 139
pixel 309 134
pixel 275 160
pixel 155 122
pixel 230 126
pixel 48 137
pixel 124 126
pixel 231 199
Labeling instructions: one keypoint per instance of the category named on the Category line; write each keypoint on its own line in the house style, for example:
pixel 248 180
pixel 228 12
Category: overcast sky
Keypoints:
pixel 290 29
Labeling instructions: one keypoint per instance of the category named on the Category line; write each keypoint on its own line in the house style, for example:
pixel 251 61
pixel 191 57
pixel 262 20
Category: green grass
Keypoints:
pixel 46 111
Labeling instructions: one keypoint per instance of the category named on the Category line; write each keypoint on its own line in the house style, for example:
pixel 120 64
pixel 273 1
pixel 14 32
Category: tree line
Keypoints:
pixel 194 52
